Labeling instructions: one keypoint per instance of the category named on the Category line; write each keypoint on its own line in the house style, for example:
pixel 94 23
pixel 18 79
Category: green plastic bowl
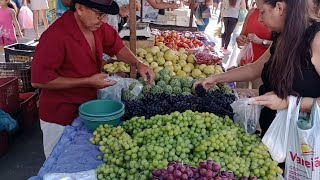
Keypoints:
pixel 92 123
pixel 101 108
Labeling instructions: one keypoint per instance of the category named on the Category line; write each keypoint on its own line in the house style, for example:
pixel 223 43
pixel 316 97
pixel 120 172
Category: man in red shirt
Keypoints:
pixel 68 60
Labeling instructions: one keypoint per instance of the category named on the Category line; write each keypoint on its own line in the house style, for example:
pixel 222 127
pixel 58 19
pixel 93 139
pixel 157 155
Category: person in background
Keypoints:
pixel 62 6
pixel 229 12
pixel 203 21
pixel 68 60
pixel 39 7
pixel 291 64
pixel 8 23
pixel 151 9
pixel 260 36
pixel 215 6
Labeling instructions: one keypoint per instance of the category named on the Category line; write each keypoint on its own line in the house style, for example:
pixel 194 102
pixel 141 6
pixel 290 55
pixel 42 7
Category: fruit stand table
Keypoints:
pixel 73 153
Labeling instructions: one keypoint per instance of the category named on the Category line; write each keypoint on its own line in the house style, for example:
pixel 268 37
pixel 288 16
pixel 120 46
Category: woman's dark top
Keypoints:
pixel 306 86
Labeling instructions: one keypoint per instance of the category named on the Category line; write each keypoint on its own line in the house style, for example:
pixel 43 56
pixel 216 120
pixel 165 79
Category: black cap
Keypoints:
pixel 106 6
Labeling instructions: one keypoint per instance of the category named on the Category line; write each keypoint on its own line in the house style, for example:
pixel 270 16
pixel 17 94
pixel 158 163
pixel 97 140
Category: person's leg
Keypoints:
pixel 36 22
pixel 232 22
pixel 51 136
pixel 44 18
pixel 223 37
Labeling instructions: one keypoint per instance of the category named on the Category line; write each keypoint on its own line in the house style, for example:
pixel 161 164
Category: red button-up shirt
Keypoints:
pixel 64 51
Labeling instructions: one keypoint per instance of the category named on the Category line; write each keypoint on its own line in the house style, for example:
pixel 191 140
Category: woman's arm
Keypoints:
pixel 242 38
pixel 16 23
pixel 162 5
pixel 244 73
pixel 306 104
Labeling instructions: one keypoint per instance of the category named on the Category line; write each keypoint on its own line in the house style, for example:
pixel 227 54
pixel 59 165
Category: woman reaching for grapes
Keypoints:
pixel 291 66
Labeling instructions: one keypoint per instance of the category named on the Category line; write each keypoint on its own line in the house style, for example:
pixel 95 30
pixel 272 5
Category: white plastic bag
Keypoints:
pixel 276 137
pixel 25 18
pixel 114 92
pixel 246 55
pixel 245 114
pixel 303 152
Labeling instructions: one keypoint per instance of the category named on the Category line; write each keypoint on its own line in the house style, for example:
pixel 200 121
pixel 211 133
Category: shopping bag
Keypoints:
pixel 246 54
pixel 25 18
pixel 276 137
pixel 303 150
pixel 247 115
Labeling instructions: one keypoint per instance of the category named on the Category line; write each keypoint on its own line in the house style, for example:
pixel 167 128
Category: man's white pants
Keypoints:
pixel 51 135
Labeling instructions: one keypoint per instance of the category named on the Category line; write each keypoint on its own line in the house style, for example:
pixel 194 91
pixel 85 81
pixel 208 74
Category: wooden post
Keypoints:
pixel 133 36
pixel 141 11
pixel 191 13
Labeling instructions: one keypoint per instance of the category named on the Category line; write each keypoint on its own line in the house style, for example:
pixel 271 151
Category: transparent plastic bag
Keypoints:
pixel 115 92
pixel 247 115
pixel 25 18
pixel 246 54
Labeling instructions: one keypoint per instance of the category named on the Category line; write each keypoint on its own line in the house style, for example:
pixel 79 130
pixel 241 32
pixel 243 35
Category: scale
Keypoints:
pixel 143 31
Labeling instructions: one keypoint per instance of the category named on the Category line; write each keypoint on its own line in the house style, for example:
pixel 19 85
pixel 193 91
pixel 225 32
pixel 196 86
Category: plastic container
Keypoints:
pixel 29 109
pixel 97 112
pixel 9 94
pixel 20 52
pixel 20 70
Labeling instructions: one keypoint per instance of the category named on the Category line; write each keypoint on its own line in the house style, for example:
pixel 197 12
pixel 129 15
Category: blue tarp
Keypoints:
pixel 73 153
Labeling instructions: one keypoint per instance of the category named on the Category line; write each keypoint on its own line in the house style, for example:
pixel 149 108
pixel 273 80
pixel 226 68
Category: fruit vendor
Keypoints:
pixel 68 61
pixel 291 66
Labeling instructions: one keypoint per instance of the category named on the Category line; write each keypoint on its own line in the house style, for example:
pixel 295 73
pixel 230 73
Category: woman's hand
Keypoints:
pixel 207 83
pixel 241 40
pixel 254 38
pixel 271 100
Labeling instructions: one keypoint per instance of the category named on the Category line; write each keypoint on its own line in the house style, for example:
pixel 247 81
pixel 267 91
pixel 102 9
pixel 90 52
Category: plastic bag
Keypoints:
pixel 7 123
pixel 276 137
pixel 246 54
pixel 303 147
pixel 85 175
pixel 245 114
pixel 25 18
pixel 115 92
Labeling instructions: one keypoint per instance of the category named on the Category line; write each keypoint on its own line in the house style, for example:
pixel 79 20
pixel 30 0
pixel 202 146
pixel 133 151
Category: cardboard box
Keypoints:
pixel 142 43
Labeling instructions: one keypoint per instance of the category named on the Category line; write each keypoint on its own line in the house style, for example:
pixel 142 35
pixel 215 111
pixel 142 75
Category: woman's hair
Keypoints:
pixel 287 58
pixel 13 6
pixel 232 3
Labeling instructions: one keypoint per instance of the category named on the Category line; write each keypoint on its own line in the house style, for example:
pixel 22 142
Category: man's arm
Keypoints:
pixel 96 81
pixel 162 5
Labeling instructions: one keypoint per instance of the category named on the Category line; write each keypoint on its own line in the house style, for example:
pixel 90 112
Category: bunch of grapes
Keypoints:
pixel 141 145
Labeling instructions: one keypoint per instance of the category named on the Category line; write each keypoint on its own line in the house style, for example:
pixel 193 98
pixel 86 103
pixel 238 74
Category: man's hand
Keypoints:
pixel 146 72
pixel 174 6
pixel 99 81
pixel 241 40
